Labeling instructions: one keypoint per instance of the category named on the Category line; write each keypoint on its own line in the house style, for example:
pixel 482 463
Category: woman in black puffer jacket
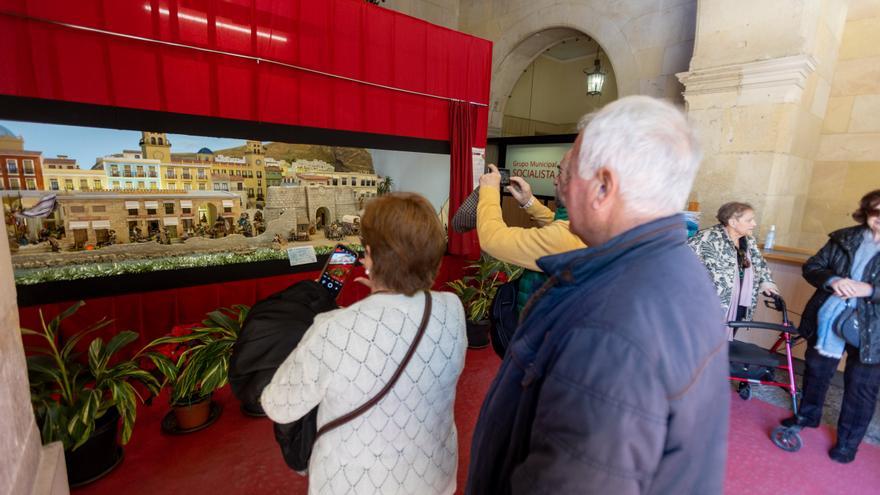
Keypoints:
pixel 846 274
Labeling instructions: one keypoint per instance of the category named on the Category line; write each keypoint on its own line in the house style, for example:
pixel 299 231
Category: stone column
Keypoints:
pixel 25 465
pixel 756 92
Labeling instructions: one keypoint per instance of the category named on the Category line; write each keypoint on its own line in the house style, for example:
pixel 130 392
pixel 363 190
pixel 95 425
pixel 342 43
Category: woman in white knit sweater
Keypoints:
pixel 406 443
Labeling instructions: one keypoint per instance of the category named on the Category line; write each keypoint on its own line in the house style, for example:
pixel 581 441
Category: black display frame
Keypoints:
pixel 48 111
pixel 114 285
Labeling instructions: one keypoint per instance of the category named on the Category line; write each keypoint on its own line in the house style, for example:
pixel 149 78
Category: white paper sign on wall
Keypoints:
pixel 479 163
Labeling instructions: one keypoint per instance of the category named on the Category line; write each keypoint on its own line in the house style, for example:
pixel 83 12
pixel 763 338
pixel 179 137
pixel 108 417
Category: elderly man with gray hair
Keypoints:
pixel 616 380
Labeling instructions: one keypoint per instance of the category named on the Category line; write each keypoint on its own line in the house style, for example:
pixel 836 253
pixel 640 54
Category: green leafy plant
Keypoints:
pixel 68 395
pixel 477 290
pixel 195 359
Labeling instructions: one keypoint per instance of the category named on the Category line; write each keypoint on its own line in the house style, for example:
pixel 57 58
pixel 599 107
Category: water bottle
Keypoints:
pixel 770 239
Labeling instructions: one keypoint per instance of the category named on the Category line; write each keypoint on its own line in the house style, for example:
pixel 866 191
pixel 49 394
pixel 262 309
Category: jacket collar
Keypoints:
pixel 582 263
pixel 850 237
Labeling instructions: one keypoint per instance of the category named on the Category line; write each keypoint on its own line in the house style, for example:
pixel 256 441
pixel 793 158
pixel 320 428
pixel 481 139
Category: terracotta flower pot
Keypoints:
pixel 192 413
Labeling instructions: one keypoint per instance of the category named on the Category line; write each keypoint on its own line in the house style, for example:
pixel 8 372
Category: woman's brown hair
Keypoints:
pixel 734 209
pixel 867 207
pixel 406 241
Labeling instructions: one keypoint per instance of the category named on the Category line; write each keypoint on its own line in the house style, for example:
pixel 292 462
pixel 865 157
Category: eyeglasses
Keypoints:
pixel 873 213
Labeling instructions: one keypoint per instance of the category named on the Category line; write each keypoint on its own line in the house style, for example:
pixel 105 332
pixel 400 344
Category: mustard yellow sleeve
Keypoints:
pixel 516 245
pixel 540 213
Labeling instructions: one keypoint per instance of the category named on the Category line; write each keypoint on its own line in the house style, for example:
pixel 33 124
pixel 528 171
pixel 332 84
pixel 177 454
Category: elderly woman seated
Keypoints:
pixel 735 264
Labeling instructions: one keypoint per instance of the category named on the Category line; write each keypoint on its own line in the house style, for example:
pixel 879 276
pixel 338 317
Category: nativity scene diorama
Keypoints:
pixel 153 209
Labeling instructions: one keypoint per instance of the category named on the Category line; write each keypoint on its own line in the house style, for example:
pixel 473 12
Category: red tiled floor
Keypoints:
pixel 239 454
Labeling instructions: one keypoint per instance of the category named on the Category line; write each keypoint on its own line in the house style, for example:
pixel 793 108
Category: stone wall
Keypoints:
pixel 442 12
pixel 847 163
pixel 307 200
pixel 757 92
pixel 647 41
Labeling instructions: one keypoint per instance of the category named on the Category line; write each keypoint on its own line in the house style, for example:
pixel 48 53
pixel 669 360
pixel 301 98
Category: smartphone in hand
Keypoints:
pixel 505 176
pixel 337 269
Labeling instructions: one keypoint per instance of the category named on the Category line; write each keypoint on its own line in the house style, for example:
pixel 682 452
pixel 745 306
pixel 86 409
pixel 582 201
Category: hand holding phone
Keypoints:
pixel 495 177
pixel 505 177
pixel 337 269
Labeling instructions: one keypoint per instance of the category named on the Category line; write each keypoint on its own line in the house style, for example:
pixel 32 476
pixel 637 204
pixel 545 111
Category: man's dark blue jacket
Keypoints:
pixel 616 381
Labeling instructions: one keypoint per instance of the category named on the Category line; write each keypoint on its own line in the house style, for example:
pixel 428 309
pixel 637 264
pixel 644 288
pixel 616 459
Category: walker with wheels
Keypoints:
pixel 751 365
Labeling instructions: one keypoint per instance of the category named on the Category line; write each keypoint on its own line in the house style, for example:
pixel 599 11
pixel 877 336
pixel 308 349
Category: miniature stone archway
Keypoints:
pixel 524 40
pixel 322 217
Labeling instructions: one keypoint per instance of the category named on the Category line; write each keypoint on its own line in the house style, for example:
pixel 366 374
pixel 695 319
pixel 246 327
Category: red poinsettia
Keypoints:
pixel 173 350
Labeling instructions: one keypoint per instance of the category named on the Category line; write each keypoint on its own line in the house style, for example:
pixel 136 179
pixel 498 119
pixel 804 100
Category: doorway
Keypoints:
pixel 322 217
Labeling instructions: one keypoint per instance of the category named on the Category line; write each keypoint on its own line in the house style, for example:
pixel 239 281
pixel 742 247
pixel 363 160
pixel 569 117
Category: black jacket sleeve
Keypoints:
pixel 819 269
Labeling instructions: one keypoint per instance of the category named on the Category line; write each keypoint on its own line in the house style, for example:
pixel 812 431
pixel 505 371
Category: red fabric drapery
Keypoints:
pixel 462 128
pixel 221 78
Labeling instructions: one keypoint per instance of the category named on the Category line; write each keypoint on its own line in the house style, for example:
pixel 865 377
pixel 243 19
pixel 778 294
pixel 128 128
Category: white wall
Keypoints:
pixel 424 173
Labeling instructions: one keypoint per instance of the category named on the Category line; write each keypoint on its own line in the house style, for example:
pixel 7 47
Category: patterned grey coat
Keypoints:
pixel 718 253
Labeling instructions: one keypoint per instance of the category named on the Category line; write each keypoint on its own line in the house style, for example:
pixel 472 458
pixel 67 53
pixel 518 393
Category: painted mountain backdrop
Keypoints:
pixel 343 159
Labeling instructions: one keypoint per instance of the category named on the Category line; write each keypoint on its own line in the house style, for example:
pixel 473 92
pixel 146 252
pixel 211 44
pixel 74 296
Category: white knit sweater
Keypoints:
pixel 407 443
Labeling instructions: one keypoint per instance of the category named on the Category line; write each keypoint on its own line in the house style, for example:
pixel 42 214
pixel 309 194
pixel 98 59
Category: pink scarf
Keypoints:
pixel 741 295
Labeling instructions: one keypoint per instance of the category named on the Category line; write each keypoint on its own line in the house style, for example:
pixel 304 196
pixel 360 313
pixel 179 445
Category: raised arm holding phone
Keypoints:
pixel 517 245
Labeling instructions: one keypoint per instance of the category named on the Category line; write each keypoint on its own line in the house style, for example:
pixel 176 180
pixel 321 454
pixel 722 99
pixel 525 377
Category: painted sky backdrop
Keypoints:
pixel 85 144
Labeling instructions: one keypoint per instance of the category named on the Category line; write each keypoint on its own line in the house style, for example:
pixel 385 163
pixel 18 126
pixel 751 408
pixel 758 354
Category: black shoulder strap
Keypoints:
pixel 372 402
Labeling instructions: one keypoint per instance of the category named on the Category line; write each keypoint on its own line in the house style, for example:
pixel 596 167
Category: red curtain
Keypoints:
pixel 462 130
pixel 42 58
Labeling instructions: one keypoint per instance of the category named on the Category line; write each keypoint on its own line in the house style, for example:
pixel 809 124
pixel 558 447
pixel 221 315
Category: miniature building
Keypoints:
pixel 63 174
pixel 365 186
pixel 130 170
pixel 19 168
pixel 88 217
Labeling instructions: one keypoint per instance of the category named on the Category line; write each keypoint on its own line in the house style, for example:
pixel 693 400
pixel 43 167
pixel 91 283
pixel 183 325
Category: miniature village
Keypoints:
pixel 152 204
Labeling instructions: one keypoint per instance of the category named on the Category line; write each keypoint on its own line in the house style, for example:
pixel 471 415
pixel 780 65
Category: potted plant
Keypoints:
pixel 195 362
pixel 79 400
pixel 477 290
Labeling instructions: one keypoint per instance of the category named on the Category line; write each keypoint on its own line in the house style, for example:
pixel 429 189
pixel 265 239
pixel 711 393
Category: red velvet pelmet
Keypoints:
pixel 351 38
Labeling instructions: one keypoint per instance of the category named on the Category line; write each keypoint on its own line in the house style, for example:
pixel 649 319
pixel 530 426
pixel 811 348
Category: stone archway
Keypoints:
pixel 523 41
pixel 322 217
